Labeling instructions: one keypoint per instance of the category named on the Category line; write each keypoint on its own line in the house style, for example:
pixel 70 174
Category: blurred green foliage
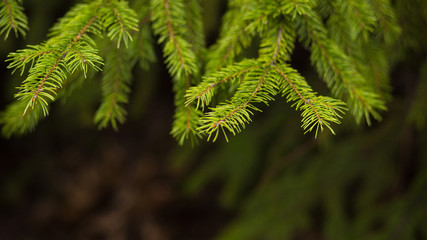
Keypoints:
pixel 365 183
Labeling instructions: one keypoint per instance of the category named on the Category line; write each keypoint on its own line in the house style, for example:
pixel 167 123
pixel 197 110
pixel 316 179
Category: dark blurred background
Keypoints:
pixel 67 180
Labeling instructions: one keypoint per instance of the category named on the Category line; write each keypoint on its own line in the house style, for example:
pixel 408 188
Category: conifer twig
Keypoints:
pixel 12 17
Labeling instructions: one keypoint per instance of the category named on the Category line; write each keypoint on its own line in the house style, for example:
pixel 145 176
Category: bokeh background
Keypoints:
pixel 67 180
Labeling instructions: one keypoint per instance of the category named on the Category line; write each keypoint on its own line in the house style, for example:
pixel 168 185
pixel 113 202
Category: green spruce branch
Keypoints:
pixel 69 48
pixel 116 81
pixel 336 67
pixel 117 72
pixel 217 89
pixel 233 37
pixel 179 49
pixel 12 18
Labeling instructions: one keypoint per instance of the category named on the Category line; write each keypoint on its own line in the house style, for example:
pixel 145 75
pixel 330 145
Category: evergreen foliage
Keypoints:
pixel 12 17
pixel 116 79
pixel 69 48
pixel 349 188
pixel 179 49
pixel 291 188
pixel 368 186
pixel 217 89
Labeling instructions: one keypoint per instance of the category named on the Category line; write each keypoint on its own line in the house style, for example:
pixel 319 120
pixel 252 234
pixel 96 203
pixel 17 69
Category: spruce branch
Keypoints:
pixel 257 87
pixel 22 57
pixel 116 81
pixel 119 61
pixel 195 34
pixel 15 123
pixel 371 62
pixel 204 91
pixel 186 121
pixel 278 43
pixel 73 49
pixel 68 49
pixel 143 39
pixel 120 21
pixel 262 15
pixel 260 81
pixel 168 17
pixel 12 17
pixel 260 85
pixel 336 68
pixel 317 111
pixel 233 37
pixel 388 28
pixel 358 17
pixel 359 77
pixel 186 118
pixel 52 67
pixel 376 68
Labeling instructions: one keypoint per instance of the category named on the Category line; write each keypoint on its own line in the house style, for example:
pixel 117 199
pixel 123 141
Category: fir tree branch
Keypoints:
pixel 233 38
pixel 186 118
pixel 22 57
pixel 359 77
pixel 337 69
pixel 70 48
pixel 116 80
pixel 120 21
pixel 143 39
pixel 277 45
pixel 318 111
pixel 15 123
pixel 257 87
pixel 370 62
pixel 83 31
pixel 119 62
pixel 377 68
pixel 184 128
pixel 388 26
pixel 203 92
pixel 12 17
pixel 357 16
pixel 168 17
pixel 195 30
pixel 56 73
pixel 261 15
